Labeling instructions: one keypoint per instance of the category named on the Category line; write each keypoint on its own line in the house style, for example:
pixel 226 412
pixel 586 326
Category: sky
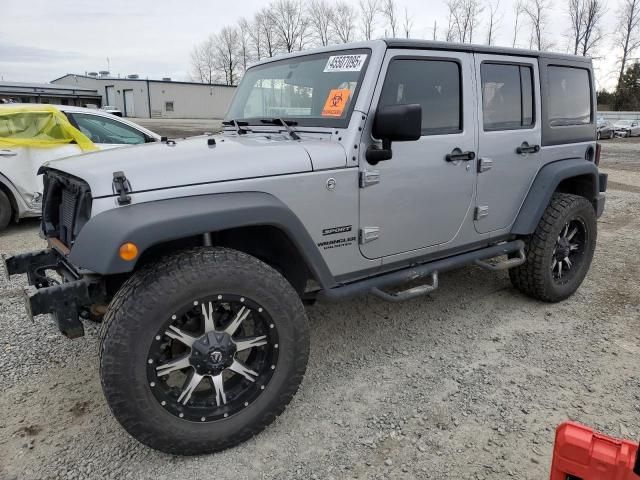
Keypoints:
pixel 41 40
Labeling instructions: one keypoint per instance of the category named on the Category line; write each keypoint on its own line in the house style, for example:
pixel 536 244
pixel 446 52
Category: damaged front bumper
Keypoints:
pixel 68 300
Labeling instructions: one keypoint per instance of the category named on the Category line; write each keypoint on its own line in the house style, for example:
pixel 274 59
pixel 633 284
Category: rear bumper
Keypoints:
pixel 599 201
pixel 68 301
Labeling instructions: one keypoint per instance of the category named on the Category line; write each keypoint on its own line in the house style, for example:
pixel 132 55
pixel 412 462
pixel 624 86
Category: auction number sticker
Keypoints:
pixel 345 63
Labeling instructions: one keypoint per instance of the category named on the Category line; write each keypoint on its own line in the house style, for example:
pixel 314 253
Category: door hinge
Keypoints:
pixel 369 234
pixel 485 164
pixel 122 187
pixel 369 177
pixel 481 212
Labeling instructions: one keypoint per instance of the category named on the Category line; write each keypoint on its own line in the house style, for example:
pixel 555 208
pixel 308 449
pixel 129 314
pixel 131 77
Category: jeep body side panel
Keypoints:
pixel 151 223
pixel 545 184
pixel 320 210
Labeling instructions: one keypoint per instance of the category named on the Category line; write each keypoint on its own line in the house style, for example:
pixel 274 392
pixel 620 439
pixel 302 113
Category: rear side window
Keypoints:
pixel 507 96
pixel 569 96
pixel 434 84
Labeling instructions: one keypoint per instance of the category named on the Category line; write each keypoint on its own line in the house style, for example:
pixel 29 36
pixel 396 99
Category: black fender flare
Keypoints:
pixel 147 224
pixel 545 184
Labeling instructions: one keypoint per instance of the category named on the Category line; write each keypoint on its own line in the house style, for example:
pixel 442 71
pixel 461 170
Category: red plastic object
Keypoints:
pixel 582 454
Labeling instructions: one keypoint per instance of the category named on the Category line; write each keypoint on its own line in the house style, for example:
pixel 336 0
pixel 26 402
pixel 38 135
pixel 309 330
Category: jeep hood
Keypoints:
pixel 193 161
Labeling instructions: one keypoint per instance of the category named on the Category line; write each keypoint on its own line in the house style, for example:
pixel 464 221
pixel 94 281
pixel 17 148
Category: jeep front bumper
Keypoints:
pixel 68 300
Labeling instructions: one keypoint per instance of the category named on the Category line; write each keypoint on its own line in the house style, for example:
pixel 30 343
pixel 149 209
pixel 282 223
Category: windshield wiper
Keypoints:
pixel 238 124
pixel 285 123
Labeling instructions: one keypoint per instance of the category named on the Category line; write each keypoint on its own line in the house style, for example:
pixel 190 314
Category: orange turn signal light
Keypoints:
pixel 128 251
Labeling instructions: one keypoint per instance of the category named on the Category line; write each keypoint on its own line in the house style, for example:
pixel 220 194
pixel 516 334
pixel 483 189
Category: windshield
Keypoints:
pixel 316 90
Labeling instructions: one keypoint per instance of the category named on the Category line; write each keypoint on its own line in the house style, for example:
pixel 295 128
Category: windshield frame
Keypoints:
pixel 329 122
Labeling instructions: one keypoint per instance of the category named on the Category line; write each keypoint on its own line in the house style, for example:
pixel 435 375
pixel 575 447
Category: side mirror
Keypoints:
pixel 394 123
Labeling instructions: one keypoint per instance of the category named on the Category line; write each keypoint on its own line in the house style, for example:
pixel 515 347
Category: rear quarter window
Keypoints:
pixel 569 96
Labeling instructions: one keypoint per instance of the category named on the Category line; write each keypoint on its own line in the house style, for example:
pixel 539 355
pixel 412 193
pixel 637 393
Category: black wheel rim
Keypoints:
pixel 568 252
pixel 213 358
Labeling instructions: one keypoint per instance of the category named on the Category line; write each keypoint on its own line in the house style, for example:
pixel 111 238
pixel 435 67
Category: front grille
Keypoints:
pixel 66 206
pixel 67 216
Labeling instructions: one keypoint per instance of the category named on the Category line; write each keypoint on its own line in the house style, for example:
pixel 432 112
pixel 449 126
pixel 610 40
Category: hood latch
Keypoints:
pixel 122 187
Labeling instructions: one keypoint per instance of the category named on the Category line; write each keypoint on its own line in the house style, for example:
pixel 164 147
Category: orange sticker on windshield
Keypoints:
pixel 336 101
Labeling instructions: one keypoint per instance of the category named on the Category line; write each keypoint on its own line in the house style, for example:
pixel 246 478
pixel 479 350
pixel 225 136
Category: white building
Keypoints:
pixel 142 98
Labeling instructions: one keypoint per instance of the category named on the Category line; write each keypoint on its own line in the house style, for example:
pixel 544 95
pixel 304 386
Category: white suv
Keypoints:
pixel 21 187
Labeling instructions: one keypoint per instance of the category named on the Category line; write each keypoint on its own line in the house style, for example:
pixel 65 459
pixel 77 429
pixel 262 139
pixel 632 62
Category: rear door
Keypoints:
pixel 421 199
pixel 509 137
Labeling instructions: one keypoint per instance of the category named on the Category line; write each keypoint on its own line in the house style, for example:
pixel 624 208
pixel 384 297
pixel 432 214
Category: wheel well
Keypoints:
pixel 267 243
pixel 582 185
pixel 14 205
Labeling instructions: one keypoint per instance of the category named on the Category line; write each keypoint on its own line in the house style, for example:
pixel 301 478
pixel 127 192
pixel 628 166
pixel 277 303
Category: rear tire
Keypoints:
pixel 6 212
pixel 560 251
pixel 172 295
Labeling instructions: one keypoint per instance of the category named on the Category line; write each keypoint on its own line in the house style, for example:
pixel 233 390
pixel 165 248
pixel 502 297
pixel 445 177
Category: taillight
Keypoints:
pixel 597 158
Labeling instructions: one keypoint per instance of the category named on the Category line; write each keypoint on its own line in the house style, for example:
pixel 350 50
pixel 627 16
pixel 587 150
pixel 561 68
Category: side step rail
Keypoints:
pixel 375 285
pixel 505 265
pixel 408 293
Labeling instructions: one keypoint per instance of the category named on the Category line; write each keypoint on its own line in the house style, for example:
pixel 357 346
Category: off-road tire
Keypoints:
pixel 134 315
pixel 535 277
pixel 6 211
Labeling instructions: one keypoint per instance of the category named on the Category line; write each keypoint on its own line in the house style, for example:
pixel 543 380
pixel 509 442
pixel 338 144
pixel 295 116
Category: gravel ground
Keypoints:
pixel 468 383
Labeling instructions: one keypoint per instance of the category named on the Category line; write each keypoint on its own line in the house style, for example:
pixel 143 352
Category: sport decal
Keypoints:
pixel 345 63
pixel 336 101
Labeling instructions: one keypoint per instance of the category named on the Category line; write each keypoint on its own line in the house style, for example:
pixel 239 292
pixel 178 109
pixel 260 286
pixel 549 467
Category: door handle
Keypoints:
pixel 457 154
pixel 526 148
pixel 8 153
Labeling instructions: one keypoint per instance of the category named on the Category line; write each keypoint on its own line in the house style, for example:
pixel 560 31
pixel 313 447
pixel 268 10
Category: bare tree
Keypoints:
pixel 244 44
pixel 289 22
pixel 463 19
pixel 203 61
pixel 255 36
pixel 344 21
pixel 320 17
pixel 628 36
pixel 407 24
pixel 389 13
pixel 435 30
pixel 369 10
pixel 517 11
pixel 536 11
pixel 227 58
pixel 450 36
pixel 494 21
pixel 576 14
pixel 593 33
pixel 268 35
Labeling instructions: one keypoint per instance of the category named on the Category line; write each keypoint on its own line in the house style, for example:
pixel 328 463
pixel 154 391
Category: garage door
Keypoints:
pixel 129 109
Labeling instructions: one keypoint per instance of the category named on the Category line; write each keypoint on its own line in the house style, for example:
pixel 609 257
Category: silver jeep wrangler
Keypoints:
pixel 340 171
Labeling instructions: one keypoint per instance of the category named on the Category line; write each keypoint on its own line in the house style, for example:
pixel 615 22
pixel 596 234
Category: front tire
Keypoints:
pixel 202 350
pixel 560 251
pixel 6 211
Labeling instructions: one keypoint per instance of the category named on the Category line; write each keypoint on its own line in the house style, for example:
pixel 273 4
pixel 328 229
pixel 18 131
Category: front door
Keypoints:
pixel 509 137
pixel 129 105
pixel 422 198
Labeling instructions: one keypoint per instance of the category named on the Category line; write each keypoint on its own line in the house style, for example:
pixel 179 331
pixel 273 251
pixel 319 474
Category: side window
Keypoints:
pixel 105 130
pixel 507 96
pixel 569 96
pixel 434 84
